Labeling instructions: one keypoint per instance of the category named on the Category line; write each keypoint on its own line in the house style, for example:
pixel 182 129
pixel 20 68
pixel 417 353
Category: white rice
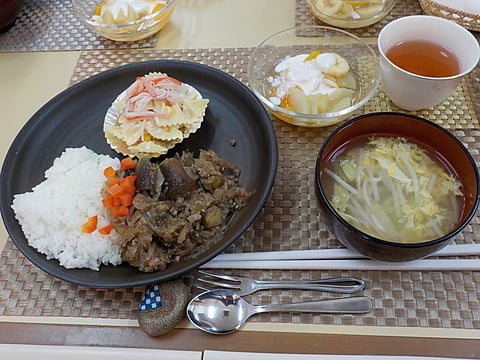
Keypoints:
pixel 52 214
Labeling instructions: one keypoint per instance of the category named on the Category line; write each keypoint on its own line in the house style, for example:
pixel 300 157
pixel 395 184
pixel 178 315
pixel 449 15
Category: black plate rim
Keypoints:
pixel 38 259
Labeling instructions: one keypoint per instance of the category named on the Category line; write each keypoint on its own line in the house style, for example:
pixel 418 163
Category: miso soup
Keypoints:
pixel 394 190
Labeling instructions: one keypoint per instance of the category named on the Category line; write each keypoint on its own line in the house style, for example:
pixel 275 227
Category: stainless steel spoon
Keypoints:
pixel 222 311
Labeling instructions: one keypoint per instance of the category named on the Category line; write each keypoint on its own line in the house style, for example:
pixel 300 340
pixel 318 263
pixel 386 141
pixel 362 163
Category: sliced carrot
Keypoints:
pixel 115 190
pixel 111 182
pixel 90 225
pixel 129 179
pixel 128 185
pixel 119 211
pixel 127 163
pixel 120 193
pixel 116 201
pixel 106 230
pixel 108 201
pixel 109 172
pixel 126 199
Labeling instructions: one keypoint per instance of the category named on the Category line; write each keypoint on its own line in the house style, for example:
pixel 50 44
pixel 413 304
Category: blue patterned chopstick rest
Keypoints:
pixel 163 307
pixel 151 299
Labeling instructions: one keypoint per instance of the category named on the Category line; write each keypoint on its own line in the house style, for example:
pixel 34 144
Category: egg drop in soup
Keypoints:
pixel 393 189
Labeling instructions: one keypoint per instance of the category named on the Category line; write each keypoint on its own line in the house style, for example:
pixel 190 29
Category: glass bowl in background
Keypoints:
pixel 305 40
pixel 143 27
pixel 350 14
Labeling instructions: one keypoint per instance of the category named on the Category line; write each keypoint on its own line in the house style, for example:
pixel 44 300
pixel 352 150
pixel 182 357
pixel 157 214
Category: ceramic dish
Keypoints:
pixel 75 118
pixel 434 140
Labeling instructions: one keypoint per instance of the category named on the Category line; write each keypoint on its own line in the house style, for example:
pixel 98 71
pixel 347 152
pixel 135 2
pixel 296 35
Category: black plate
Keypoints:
pixel 75 118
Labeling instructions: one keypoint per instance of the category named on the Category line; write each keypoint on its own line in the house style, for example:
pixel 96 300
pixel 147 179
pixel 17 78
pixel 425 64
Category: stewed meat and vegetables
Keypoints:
pixel 181 205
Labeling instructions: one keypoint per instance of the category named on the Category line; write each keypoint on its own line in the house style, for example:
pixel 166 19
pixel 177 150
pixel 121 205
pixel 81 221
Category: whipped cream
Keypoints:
pixel 122 9
pixel 309 76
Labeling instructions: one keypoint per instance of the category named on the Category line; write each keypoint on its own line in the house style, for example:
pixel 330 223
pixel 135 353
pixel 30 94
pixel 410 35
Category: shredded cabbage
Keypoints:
pixel 394 190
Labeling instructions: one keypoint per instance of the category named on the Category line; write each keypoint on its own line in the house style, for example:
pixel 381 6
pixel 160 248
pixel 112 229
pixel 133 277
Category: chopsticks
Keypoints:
pixel 344 259
pixel 353 264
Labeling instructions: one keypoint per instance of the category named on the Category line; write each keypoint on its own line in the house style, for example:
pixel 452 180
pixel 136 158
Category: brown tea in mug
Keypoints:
pixel 424 58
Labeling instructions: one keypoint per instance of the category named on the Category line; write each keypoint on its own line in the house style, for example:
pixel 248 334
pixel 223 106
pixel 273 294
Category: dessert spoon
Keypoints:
pixel 222 311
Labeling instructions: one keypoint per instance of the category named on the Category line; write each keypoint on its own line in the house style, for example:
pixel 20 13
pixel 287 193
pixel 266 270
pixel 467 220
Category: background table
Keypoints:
pixel 221 34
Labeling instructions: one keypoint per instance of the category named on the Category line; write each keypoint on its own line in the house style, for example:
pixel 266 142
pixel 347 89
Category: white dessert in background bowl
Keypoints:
pixel 124 20
pixel 313 83
pixel 313 76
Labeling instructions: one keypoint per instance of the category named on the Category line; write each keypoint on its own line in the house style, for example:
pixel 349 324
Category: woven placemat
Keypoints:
pixel 303 16
pixel 289 220
pixel 459 110
pixel 51 25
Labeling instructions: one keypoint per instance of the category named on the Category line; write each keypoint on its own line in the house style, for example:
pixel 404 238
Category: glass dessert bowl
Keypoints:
pixel 313 76
pixel 124 20
pixel 350 14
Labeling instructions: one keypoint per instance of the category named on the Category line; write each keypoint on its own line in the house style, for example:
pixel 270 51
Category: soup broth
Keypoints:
pixel 393 190
pixel 424 58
